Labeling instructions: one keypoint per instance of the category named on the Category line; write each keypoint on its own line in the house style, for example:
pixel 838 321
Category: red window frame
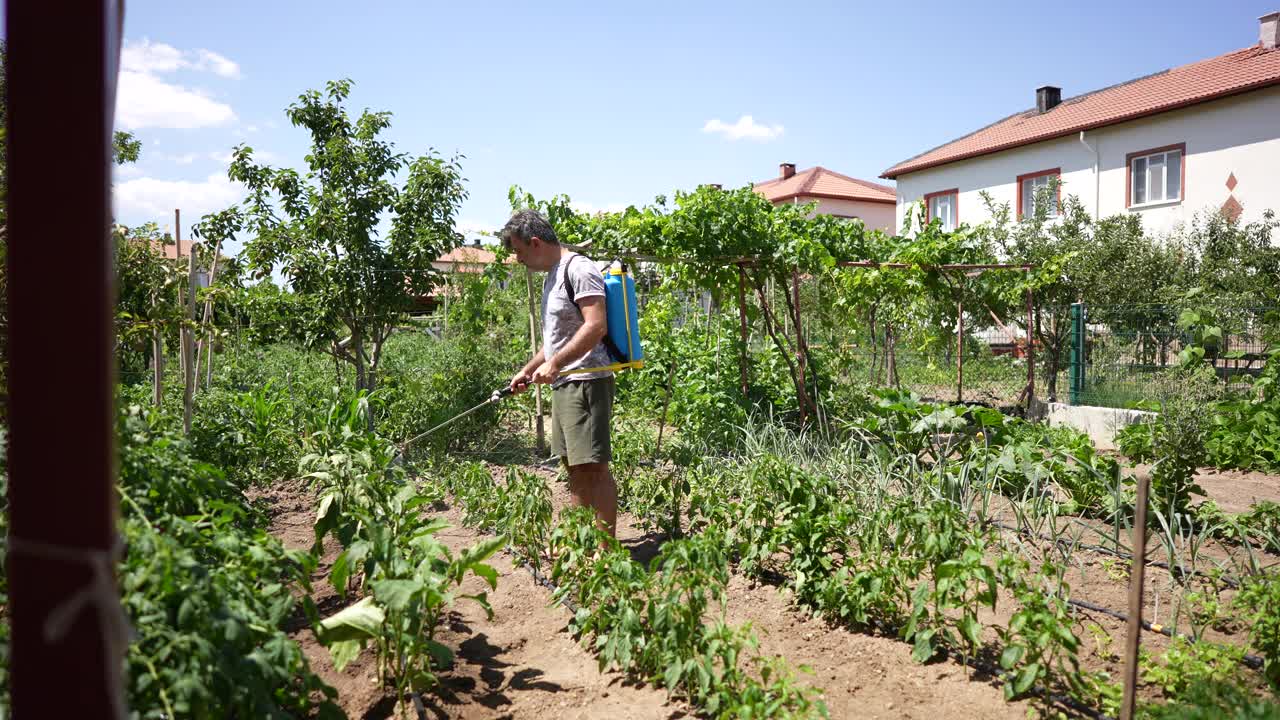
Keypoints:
pixel 1182 173
pixel 955 204
pixel 1032 176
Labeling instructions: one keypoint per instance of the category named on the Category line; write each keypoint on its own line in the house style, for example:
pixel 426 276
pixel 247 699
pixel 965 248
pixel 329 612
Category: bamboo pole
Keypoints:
pixel 157 360
pixel 1031 352
pixel 960 351
pixel 533 348
pixel 188 334
pixel 207 320
pixel 742 324
pixel 1133 637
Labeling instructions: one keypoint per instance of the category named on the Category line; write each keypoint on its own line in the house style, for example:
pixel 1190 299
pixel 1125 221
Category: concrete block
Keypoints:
pixel 1099 423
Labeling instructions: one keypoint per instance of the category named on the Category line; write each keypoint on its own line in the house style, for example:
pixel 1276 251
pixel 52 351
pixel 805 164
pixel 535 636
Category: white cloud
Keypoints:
pixel 746 128
pixel 252 128
pixel 147 198
pixel 145 100
pixel 145 56
pixel 215 63
pixel 149 57
pixel 124 172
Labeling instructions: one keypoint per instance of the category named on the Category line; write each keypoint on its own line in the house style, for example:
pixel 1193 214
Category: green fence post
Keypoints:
pixel 1077 352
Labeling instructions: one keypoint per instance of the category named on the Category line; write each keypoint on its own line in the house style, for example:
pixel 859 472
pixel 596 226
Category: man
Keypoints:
pixel 573 325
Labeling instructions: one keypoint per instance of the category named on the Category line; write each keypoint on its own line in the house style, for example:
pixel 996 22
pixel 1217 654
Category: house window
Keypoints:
pixel 942 206
pixel 1031 187
pixel 1156 176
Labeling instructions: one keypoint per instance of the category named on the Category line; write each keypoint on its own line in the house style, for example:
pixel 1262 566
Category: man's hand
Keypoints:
pixel 519 382
pixel 546 373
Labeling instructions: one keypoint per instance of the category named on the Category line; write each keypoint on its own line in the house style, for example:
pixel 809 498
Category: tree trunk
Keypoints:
pixel 891 356
pixel 802 399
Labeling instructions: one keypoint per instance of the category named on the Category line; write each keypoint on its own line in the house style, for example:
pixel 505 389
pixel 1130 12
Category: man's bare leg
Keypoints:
pixel 592 485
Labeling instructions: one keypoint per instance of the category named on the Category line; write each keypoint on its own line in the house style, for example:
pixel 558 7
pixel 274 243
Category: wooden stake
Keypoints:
pixel 533 349
pixel 207 334
pixel 1134 631
pixel 188 362
pixel 666 401
pixel 1031 352
pixel 960 352
pixel 742 323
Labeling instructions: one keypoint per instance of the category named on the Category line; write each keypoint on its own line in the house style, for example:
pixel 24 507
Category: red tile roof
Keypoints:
pixel 1235 72
pixel 469 255
pixel 819 182
pixel 170 250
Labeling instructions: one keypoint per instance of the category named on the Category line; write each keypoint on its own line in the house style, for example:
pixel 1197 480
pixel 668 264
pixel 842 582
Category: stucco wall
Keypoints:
pixel 878 216
pixel 1238 135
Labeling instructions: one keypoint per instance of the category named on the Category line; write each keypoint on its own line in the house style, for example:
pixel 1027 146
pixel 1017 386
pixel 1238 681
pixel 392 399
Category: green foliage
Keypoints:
pixel 1215 701
pixel 125 148
pixel 520 508
pixel 426 382
pixel 1186 664
pixel 249 435
pixel 368 505
pixel 1258 600
pixel 660 623
pixel 1178 439
pixel 350 287
pixel 208 591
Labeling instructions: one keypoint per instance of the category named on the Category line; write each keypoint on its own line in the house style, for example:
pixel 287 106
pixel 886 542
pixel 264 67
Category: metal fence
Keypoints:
pixel 1115 353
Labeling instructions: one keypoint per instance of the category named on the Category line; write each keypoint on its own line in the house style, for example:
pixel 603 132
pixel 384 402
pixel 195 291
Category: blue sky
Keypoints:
pixel 612 103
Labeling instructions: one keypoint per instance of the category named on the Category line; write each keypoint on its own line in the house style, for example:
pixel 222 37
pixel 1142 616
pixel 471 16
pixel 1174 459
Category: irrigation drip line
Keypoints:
pixel 1228 580
pixel 1252 661
pixel 973 662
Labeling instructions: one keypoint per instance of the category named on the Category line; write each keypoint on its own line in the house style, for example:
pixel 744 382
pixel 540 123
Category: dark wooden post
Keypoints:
pixel 64 614
pixel 1137 570
pixel 1031 350
pixel 795 300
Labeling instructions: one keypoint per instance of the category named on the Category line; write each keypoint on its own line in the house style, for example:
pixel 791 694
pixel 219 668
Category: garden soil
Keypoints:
pixel 524 663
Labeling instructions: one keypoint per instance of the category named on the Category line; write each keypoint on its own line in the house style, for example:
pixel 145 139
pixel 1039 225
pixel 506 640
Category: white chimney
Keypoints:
pixel 1269 30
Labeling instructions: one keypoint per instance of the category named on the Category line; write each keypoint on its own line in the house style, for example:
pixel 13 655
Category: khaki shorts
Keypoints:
pixel 581 412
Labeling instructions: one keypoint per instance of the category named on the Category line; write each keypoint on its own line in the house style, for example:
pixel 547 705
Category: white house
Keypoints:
pixel 1204 136
pixel 834 193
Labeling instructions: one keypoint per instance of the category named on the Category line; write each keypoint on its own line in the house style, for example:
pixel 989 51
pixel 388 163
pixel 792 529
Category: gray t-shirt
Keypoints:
pixel 561 318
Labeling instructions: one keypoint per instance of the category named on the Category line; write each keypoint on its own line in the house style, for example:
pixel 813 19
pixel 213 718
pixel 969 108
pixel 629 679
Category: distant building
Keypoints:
pixel 835 194
pixel 468 259
pixel 1165 146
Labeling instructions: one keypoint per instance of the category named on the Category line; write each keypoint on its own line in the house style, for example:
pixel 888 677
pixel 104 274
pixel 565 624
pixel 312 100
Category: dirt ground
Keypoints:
pixel 520 664
pixel 1236 490
pixel 524 664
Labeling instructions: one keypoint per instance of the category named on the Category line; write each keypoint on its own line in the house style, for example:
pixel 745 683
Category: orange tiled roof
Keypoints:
pixel 469 254
pixel 1235 72
pixel 170 250
pixel 823 183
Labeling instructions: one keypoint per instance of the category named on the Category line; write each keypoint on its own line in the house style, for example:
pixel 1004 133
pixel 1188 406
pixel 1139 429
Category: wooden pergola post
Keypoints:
pixel 67 640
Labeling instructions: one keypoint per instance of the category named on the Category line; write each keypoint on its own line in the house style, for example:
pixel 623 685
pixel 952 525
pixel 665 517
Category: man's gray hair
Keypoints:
pixel 525 224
